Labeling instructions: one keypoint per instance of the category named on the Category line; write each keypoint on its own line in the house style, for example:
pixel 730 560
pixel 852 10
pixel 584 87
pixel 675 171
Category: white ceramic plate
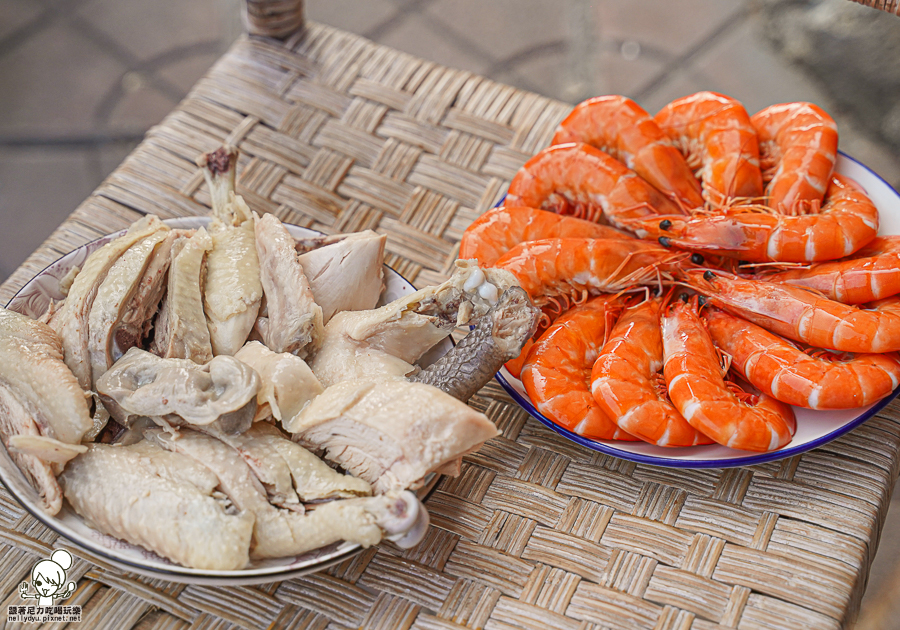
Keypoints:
pixel 814 428
pixel 32 300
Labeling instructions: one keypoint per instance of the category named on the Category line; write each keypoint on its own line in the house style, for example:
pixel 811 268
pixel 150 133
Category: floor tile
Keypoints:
pixel 139 107
pixel 186 71
pixel 351 15
pixel 39 188
pixel 419 36
pixel 671 26
pixel 53 83
pixel 503 28
pixel 147 29
pixel 15 14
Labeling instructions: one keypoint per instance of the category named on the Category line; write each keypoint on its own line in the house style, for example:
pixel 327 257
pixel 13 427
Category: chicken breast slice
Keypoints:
pixel 279 533
pixel 293 321
pixel 114 296
pixel 347 273
pixel 289 472
pixel 32 368
pixel 182 332
pixel 160 500
pixel 390 432
pixel 72 321
pixel 287 383
pixel 232 291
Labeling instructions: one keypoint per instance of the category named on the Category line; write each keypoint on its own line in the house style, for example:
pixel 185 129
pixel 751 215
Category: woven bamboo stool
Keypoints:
pixel 339 134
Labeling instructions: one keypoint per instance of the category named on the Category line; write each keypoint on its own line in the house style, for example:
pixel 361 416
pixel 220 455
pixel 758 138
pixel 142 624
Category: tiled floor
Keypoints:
pixel 84 79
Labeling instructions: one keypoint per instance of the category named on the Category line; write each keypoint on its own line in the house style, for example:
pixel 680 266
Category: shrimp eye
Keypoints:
pixel 697 259
pixel 684 297
pixel 665 241
pixel 709 276
pixel 665 224
pixel 701 300
pixel 743 263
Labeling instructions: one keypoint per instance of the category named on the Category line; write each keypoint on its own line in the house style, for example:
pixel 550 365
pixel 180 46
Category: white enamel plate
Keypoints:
pixel 33 300
pixel 814 428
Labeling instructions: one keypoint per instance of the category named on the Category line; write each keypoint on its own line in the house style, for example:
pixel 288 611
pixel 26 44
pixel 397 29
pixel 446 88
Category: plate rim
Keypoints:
pixel 179 573
pixel 752 458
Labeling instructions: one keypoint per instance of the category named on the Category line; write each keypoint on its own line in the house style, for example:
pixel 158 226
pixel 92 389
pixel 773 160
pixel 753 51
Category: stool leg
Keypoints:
pixel 274 18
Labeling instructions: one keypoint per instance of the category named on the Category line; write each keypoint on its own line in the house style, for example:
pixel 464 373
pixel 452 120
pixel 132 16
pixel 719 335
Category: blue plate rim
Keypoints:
pixel 666 462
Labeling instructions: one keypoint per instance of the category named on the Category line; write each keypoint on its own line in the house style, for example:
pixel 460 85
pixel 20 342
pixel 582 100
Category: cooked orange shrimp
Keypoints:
pixel 698 390
pixel 848 221
pixel 572 267
pixel 872 273
pixel 797 150
pixel 580 180
pixel 778 368
pixel 626 384
pixel 716 136
pixel 619 126
pixel 498 230
pixel 557 371
pixel 803 315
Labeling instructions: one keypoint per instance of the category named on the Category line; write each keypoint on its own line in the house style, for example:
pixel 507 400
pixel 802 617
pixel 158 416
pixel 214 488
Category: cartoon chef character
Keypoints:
pixel 48 578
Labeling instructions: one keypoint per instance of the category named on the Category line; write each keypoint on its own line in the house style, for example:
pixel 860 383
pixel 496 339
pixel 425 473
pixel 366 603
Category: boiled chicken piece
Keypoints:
pixel 72 321
pixel 181 330
pixel 114 296
pixel 497 337
pixel 279 533
pixel 289 472
pixel 133 325
pixel 232 291
pixel 160 500
pixel 385 342
pixel 287 383
pixel 390 432
pixel 178 391
pixel 39 398
pixel 347 272
pixel 293 321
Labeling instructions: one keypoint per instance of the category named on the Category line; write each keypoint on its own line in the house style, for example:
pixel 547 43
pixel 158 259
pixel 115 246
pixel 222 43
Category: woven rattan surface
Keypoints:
pixel 339 134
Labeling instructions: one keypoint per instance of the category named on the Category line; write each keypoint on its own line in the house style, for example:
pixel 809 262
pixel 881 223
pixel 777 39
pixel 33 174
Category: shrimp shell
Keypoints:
pixel 802 315
pixel 872 273
pixel 778 368
pixel 557 371
pixel 698 390
pixel 622 381
pixel 619 126
pixel 580 180
pixel 798 148
pixel 848 221
pixel 497 231
pixel 572 266
pixel 715 134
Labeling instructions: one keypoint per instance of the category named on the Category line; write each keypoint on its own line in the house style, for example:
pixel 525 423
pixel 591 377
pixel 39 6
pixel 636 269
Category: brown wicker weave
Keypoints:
pixel 340 134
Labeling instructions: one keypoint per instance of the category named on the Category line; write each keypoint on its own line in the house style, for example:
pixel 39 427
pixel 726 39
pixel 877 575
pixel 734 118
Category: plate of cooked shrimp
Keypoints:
pixel 718 289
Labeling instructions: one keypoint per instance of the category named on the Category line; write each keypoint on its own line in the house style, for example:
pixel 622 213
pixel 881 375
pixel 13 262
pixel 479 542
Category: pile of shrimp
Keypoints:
pixel 701 273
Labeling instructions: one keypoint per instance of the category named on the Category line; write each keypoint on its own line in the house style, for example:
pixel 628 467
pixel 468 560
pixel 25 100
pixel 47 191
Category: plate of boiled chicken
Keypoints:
pixel 232 400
